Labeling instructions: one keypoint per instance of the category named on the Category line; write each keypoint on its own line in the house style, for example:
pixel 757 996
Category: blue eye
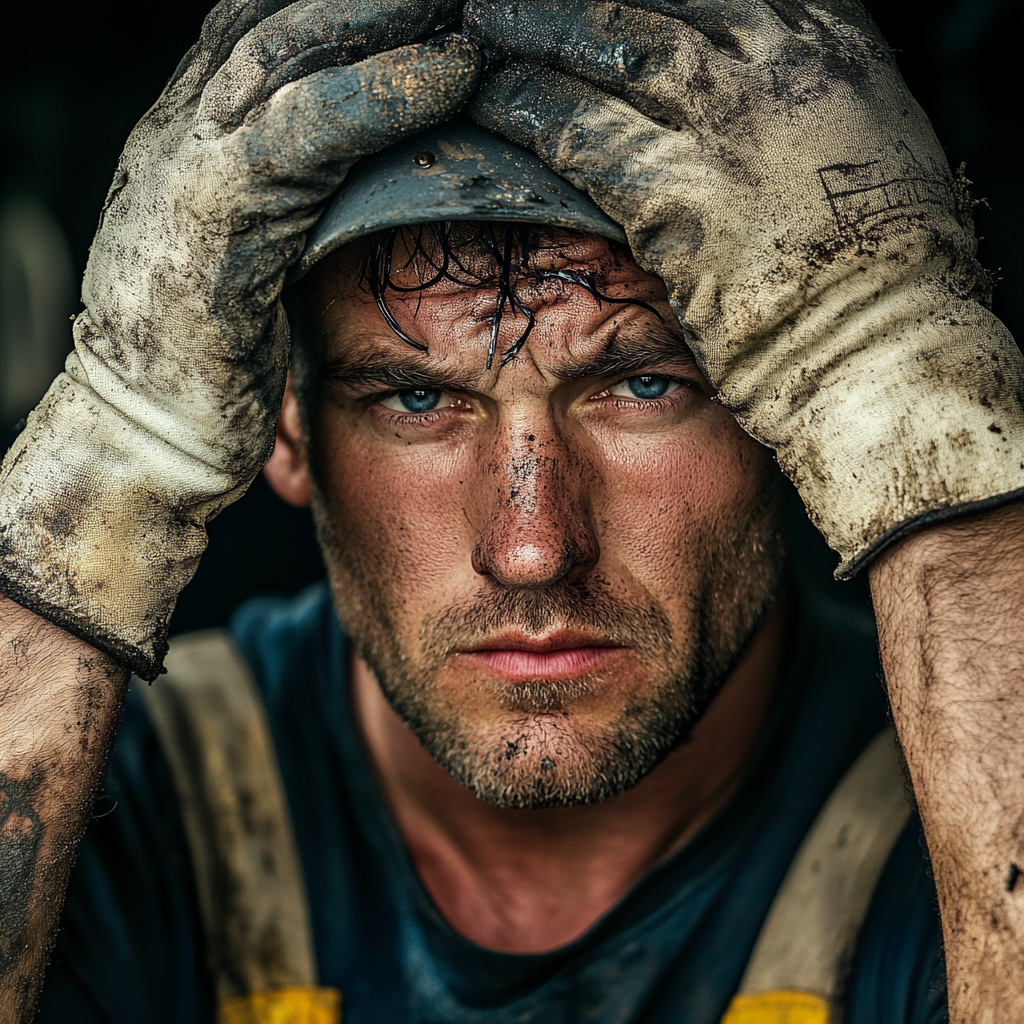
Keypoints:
pixel 647 387
pixel 419 401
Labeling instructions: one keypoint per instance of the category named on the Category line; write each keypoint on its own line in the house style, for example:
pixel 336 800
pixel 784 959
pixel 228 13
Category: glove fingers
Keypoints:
pixel 596 140
pixel 725 26
pixel 306 37
pixel 313 129
pixel 222 28
pixel 803 16
pixel 663 65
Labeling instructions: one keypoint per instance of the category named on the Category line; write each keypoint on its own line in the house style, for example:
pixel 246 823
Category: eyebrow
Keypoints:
pixel 396 372
pixel 626 355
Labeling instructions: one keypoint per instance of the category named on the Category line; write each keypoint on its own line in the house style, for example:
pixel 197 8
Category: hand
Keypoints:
pixel 167 408
pixel 768 163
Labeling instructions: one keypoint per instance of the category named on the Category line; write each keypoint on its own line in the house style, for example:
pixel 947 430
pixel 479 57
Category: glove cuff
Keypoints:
pixel 918 420
pixel 102 524
pixel 145 660
pixel 849 567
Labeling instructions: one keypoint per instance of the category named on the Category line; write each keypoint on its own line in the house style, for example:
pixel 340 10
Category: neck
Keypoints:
pixel 531 881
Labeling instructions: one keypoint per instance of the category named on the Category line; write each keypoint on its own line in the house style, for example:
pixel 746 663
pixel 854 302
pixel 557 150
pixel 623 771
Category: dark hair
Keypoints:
pixel 450 251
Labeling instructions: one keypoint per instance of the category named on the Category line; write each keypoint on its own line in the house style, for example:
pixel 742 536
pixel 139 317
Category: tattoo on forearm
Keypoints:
pixel 20 834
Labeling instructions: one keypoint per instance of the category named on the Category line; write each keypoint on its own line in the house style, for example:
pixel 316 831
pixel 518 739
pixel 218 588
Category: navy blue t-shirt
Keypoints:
pixel 674 949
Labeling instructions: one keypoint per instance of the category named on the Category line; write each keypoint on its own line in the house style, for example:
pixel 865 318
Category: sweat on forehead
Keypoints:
pixel 512 270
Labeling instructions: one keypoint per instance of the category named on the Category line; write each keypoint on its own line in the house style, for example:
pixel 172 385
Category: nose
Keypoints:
pixel 536 527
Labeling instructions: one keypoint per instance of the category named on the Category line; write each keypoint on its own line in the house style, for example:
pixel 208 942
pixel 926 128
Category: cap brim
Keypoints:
pixel 456 171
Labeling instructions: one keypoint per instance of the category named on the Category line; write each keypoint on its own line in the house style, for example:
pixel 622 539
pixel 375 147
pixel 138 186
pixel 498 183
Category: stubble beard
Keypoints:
pixel 538 752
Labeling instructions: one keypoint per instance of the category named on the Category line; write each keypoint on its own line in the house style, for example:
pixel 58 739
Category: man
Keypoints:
pixel 579 729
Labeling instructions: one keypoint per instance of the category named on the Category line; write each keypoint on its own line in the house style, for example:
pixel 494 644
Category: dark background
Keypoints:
pixel 76 77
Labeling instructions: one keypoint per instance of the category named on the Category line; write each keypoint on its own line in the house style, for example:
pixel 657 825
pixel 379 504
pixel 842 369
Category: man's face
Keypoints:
pixel 552 566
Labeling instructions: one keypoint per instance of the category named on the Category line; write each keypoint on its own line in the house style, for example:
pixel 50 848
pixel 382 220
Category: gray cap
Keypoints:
pixel 456 171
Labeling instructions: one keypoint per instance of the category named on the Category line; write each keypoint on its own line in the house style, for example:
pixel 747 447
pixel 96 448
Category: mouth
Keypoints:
pixel 562 655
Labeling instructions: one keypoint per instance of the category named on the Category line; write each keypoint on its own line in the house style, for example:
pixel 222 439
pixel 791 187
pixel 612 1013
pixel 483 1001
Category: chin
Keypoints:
pixel 551 758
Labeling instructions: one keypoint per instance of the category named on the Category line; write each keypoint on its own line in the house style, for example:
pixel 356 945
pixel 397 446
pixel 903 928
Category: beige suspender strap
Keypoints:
pixel 212 727
pixel 797 969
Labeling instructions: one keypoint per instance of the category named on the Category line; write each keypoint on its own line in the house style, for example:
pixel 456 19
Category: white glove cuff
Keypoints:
pixel 102 524
pixel 920 421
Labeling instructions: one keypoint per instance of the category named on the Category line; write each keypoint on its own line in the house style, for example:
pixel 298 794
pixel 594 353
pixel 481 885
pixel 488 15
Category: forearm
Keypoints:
pixel 949 602
pixel 60 702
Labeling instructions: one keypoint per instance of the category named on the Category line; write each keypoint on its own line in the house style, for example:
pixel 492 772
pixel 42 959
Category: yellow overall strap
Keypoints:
pixel 797 969
pixel 212 727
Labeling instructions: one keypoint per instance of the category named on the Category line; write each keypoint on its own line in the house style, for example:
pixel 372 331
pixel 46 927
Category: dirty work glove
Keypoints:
pixel 768 163
pixel 167 407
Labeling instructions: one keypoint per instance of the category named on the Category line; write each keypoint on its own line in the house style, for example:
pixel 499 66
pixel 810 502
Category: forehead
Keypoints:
pixel 445 292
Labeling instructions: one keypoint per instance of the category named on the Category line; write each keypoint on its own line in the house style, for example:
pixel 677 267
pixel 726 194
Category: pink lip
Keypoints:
pixel 561 655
